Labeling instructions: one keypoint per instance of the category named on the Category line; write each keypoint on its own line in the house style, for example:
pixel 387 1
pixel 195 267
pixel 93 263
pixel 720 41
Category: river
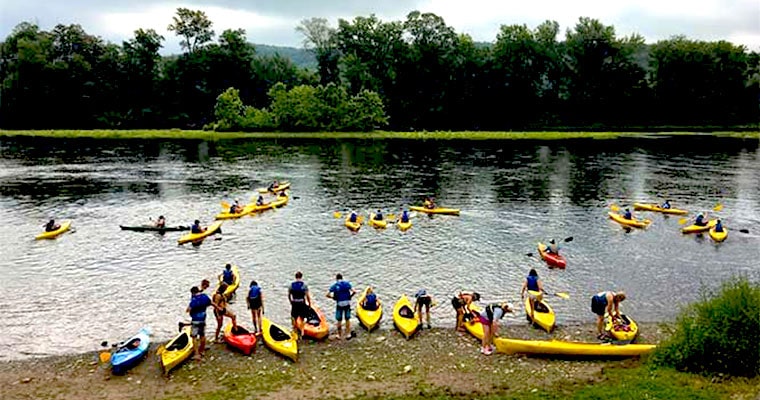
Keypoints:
pixel 98 282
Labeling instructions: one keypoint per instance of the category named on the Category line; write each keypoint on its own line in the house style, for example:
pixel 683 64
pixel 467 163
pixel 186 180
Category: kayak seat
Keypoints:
pixel 406 312
pixel 278 334
pixel 180 343
pixel 541 307
pixel 239 330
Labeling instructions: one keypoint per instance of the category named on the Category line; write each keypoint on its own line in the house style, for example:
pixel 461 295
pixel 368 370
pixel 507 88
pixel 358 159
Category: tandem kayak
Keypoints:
pixel 240 339
pixel 153 228
pixel 543 315
pixel 368 318
pixel 404 318
pixel 130 352
pixel 625 330
pixel 636 223
pixel 315 326
pixel 280 188
pixel 231 288
pixel 699 228
pixel 554 260
pixel 278 339
pixel 65 225
pixel 210 230
pixel 447 211
pixel 656 208
pixel 378 223
pixel 718 236
pixel 176 351
pixel 579 349
pixel 354 226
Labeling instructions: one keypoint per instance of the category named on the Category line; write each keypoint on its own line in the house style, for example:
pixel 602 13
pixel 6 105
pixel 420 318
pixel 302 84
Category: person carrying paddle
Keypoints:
pixel 236 208
pixel 221 310
pixel 300 301
pixel 370 300
pixel 423 299
pixel 255 302
pixel 51 226
pixel 196 228
pixel 535 288
pixel 461 303
pixel 489 318
pixel 606 302
pixel 227 276
pixel 341 291
pixel 199 302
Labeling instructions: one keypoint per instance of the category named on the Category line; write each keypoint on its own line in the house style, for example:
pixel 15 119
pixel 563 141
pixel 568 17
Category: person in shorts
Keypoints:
pixel 489 318
pixel 300 301
pixel 199 302
pixel 221 310
pixel 255 302
pixel 423 300
pixel 606 302
pixel 341 291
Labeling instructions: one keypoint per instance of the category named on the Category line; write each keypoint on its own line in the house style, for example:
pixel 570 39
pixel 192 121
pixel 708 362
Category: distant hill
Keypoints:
pixel 300 57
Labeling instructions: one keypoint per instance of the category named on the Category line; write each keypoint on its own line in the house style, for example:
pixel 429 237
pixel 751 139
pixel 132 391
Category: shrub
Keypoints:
pixel 719 334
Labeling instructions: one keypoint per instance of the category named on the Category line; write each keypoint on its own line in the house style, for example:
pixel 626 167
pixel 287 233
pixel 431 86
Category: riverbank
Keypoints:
pixel 376 135
pixel 436 363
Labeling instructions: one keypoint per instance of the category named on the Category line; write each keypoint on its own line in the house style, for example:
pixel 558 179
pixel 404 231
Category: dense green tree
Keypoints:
pixel 319 37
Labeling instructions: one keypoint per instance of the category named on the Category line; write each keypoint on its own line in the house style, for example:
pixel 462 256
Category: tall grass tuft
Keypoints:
pixel 719 334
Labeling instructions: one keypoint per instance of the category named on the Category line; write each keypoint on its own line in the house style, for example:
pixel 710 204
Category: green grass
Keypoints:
pixel 437 135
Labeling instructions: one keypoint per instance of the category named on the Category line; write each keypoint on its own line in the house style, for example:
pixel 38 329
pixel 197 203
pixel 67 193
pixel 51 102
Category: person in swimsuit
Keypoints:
pixel 219 301
pixel 461 303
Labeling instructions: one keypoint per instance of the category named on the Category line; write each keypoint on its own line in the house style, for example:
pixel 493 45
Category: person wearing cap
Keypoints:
pixel 553 247
pixel 628 214
pixel 379 216
pixel 199 302
pixel 461 303
pixel 423 299
pixel 236 208
pixel 196 228
pixel 160 222
pixel 535 288
pixel 665 205
pixel 489 318
pixel 607 302
pixel 51 226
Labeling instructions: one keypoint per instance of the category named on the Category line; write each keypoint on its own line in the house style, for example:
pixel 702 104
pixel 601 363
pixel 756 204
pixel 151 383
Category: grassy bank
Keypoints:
pixel 439 135
pixel 437 363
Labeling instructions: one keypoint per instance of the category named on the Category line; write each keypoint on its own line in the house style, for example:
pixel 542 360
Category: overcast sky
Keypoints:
pixel 274 21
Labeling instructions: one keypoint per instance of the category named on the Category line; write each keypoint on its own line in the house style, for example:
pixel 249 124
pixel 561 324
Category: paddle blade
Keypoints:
pixel 569 239
pixel 682 221
pixel 390 216
pixel 718 207
pixel 337 214
pixel 562 295
pixel 529 254
pixel 744 230
pixel 105 356
pixel 225 205
pixel 614 207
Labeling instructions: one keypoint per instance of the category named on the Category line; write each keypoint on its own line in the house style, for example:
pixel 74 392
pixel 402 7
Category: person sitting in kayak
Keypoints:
pixel 607 302
pixel 236 208
pixel 718 226
pixel 352 218
pixel 273 186
pixel 628 214
pixel 404 216
pixel 665 205
pixel 379 216
pixel 227 275
pixel 161 222
pixel 196 228
pixel 700 221
pixel 461 303
pixel 370 300
pixel 260 201
pixel 51 226
pixel 531 284
pixel 553 247
pixel 429 203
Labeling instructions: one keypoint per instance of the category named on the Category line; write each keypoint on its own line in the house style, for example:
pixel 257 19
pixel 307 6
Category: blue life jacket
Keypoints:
pixel 228 277
pixel 341 290
pixel 370 302
pixel 254 292
pixel 379 217
pixel 198 305
pixel 404 217
pixel 533 283
pixel 298 291
pixel 666 205
pixel 719 227
pixel 353 218
pixel 196 228
pixel 628 215
pixel 700 220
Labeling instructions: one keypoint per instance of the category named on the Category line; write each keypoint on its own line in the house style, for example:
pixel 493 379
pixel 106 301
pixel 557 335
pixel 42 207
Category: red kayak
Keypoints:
pixel 554 260
pixel 241 339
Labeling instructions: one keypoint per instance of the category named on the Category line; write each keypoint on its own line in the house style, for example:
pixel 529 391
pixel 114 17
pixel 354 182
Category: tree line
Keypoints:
pixel 415 74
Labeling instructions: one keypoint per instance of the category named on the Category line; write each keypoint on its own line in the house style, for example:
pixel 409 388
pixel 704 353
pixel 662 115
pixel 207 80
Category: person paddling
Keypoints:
pixel 51 226
pixel 404 216
pixel 666 205
pixel 196 228
pixel 628 214
pixel 718 226
pixel 606 302
pixel 236 208
pixel 160 222
pixel 429 203
pixel 700 221
pixel 553 247
pixel 353 217
pixel 260 201
pixel 227 276
pixel 379 215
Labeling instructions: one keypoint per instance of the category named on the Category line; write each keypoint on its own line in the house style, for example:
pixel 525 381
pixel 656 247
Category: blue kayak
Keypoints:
pixel 130 352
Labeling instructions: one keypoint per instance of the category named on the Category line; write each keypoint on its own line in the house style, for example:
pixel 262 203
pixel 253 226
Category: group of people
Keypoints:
pixel 378 216
pixel 200 302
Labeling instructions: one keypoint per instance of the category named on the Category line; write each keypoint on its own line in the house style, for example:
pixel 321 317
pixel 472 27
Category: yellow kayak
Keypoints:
pixel 625 332
pixel 210 230
pixel 280 188
pixel 281 201
pixel 65 225
pixel 656 208
pixel 438 210
pixel 279 340
pixel 561 348
pixel 235 283
pixel 404 225
pixel 474 326
pixel 699 228
pixel 404 318
pixel 370 319
pixel 636 223
pixel 229 215
pixel 176 351
pixel 379 224
pixel 718 236
pixel 544 315
pixel 354 226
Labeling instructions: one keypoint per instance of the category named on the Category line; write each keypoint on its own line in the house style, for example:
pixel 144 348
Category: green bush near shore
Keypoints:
pixel 380 135
pixel 718 335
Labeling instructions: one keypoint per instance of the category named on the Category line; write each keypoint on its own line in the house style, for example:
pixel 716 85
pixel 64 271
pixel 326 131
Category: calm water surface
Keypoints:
pixel 99 282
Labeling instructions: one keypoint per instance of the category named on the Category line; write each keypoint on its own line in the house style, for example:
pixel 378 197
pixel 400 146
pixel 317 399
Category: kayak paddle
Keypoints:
pixel 563 295
pixel 718 207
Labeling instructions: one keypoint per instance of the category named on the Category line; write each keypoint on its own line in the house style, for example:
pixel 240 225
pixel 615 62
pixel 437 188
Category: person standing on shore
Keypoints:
pixel 197 310
pixel 256 305
pixel 300 301
pixel 341 291
pixel 219 301
pixel 423 300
